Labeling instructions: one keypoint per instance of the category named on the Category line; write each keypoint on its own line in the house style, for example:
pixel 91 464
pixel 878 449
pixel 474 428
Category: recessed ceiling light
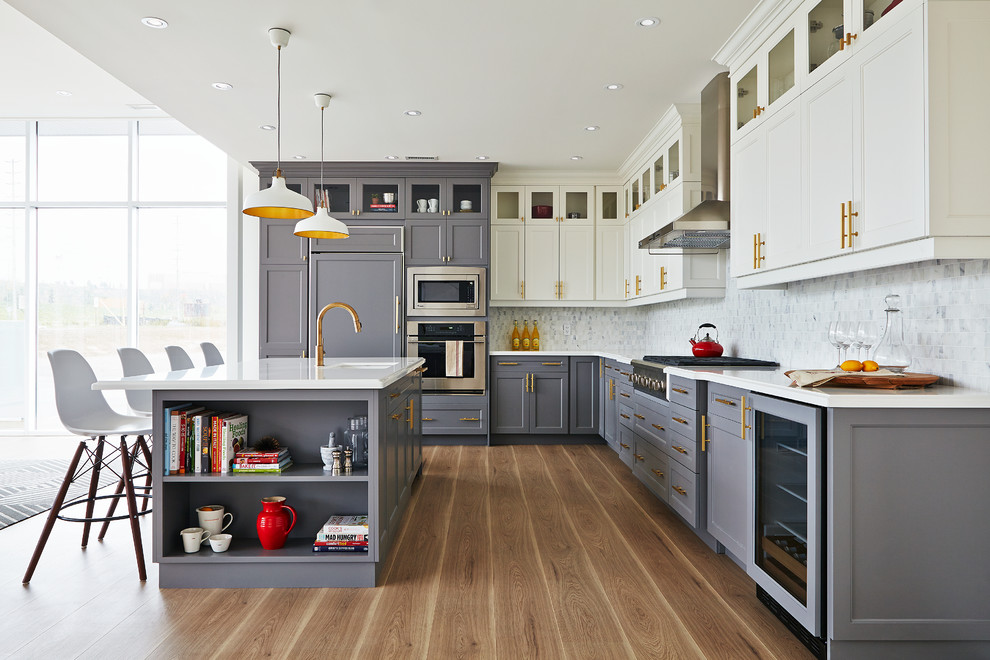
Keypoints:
pixel 414 113
pixel 62 92
pixel 591 128
pixel 612 87
pixel 267 127
pixel 482 157
pixel 576 157
pixel 222 86
pixel 649 21
pixel 299 157
pixel 391 157
pixel 152 22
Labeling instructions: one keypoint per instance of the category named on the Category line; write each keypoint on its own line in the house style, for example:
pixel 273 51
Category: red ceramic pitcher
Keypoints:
pixel 273 522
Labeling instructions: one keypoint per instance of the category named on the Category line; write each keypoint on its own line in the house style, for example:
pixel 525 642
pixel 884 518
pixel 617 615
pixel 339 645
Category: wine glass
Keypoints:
pixel 855 342
pixel 845 333
pixel 867 334
pixel 833 338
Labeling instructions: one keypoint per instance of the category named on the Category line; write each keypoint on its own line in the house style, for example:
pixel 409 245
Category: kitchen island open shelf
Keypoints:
pixel 297 472
pixel 249 550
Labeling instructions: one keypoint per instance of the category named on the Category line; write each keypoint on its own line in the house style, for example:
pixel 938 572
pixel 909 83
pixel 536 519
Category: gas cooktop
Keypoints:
pixel 694 361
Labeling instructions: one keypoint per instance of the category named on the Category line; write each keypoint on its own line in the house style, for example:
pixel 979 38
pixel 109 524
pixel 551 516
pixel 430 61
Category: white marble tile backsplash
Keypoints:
pixel 946 320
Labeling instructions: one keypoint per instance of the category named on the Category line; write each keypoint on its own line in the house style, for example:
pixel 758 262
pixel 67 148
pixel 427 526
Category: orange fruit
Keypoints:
pixel 851 365
pixel 870 365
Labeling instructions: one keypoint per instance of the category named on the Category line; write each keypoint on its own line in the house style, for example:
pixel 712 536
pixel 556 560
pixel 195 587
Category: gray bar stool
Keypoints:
pixel 178 359
pixel 211 353
pixel 85 411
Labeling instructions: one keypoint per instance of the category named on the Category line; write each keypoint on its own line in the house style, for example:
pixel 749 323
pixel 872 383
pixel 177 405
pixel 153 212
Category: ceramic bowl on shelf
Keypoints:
pixel 326 453
pixel 542 211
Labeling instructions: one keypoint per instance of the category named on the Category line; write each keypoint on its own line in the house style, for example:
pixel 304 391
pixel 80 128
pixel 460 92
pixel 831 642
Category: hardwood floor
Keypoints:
pixel 506 552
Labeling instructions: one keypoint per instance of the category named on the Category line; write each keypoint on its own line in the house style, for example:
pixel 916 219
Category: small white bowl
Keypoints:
pixel 220 542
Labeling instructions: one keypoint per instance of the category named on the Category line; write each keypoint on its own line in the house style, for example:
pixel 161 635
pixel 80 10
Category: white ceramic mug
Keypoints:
pixel 434 205
pixel 193 537
pixel 220 542
pixel 388 197
pixel 212 518
pixel 421 205
pixel 465 204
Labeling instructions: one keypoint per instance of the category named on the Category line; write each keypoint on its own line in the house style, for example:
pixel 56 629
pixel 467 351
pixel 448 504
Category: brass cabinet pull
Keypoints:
pixel 842 225
pixel 522 219
pixel 679 390
pixel 627 281
pixel 623 394
pixel 410 409
pixel 679 490
pixel 663 278
pixel 419 370
pixel 426 419
pixel 846 41
pixel 679 449
pixel 680 419
pixel 601 367
pixel 623 415
pixel 728 402
pixel 470 419
pixel 638 416
pixel 657 427
pixel 637 285
pixel 396 416
pixel 639 458
pixel 522 288
pixel 850 214
pixel 508 364
pixel 397 308
pixel 624 445
pixel 552 364
pixel 393 395
pixel 743 425
pixel 758 257
pixel 704 433
pixel 658 472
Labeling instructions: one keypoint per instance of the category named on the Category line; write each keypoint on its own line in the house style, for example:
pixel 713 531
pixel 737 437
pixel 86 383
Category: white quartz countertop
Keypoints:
pixel 608 356
pixel 276 374
pixel 774 382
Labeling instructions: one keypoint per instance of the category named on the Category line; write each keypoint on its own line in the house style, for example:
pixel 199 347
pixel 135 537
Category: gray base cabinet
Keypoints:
pixel 584 394
pixel 530 395
pixel 730 469
pixel 301 420
pixel 446 414
pixel 372 285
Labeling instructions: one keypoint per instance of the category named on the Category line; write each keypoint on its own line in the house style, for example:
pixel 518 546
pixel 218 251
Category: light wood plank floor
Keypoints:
pixel 506 552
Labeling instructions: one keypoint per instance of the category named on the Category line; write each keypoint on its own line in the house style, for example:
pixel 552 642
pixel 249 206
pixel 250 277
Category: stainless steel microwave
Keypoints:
pixel 445 291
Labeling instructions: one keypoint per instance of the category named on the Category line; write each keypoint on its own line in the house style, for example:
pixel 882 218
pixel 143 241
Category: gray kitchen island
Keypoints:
pixel 300 404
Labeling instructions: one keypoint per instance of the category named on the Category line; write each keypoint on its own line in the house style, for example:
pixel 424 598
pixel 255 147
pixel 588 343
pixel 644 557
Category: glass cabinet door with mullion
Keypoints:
pixel 826 42
pixel 507 205
pixel 381 198
pixel 424 198
pixel 339 194
pixel 467 198
pixel 542 205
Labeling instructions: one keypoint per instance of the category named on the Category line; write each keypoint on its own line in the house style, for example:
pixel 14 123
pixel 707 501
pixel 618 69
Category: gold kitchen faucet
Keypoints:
pixel 319 327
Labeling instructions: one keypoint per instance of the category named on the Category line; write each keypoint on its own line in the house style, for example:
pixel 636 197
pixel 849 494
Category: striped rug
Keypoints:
pixel 28 487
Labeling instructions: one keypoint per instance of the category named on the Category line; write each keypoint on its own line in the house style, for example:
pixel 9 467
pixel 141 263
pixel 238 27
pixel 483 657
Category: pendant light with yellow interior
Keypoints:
pixel 278 201
pixel 321 225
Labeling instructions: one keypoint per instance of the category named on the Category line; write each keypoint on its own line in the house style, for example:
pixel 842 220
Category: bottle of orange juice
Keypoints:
pixel 516 341
pixel 525 336
pixel 534 341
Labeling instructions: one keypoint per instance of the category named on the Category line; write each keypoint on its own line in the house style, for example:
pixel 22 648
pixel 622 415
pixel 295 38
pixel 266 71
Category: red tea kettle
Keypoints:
pixel 706 346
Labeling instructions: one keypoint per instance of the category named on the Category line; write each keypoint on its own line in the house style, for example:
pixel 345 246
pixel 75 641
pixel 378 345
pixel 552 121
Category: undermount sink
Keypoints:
pixel 363 365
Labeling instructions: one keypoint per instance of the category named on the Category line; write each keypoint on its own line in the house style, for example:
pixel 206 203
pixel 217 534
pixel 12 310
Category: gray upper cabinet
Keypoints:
pixel 360 199
pixel 341 196
pixel 425 242
pixel 363 239
pixel 446 242
pixel 284 288
pixel 372 285
pixel 584 394
pixel 279 245
pixel 460 197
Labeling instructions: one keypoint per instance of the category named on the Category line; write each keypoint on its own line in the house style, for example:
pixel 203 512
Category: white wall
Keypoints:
pixel 946 320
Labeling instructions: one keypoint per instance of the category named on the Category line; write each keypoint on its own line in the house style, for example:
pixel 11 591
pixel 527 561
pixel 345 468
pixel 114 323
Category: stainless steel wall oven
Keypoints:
pixel 454 352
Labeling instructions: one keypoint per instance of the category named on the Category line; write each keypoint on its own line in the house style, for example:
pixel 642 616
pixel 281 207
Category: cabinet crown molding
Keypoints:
pixel 754 30
pixel 378 169
pixel 671 121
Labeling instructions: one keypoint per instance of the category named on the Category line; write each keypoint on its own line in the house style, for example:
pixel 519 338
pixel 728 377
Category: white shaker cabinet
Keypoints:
pixel 542 262
pixel 611 246
pixel 508 258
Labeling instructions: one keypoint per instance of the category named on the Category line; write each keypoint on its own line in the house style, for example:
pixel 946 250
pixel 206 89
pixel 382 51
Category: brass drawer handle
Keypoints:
pixel 623 394
pixel 638 416
pixel 679 490
pixel 658 473
pixel 625 373
pixel 624 445
pixel 419 370
pixel 680 419
pixel 624 415
pixel 680 449
pixel 679 390
pixel 396 416
pixel 657 427
pixel 470 419
pixel 426 419
pixel 725 401
pixel 508 364
pixel 639 458
pixel 393 395
pixel 553 364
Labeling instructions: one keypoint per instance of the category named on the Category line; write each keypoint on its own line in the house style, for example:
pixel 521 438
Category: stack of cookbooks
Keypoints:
pixel 256 461
pixel 342 533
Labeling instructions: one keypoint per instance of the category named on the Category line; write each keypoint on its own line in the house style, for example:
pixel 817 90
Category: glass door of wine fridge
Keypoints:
pixel 789 502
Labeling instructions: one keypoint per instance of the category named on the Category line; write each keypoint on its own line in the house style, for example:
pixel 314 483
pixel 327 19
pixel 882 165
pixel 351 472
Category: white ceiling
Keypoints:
pixel 516 80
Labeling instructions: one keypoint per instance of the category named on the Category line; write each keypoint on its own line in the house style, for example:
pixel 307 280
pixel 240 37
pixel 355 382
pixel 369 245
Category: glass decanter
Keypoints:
pixel 891 353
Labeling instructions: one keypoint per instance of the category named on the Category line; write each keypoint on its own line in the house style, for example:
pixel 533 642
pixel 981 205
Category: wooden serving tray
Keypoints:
pixel 904 382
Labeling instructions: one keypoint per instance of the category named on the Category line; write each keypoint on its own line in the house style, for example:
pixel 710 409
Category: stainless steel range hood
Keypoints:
pixel 706 226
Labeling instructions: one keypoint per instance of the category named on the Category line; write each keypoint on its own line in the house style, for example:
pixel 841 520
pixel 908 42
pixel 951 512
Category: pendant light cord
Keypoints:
pixel 278 112
pixel 322 189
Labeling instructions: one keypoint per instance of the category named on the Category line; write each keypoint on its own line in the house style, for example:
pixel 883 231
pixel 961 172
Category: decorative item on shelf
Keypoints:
pixel 525 336
pixel 220 542
pixel 420 206
pixel 374 198
pixel 278 201
pixel 267 443
pixel 515 341
pixel 322 224
pixel 343 533
pixel 388 198
pixel 273 522
pixel 891 353
pixel 434 205
pixel 466 204
pixel 356 439
pixel 542 211
pixel 336 467
pixel 193 537
pixel 212 518
pixel 348 460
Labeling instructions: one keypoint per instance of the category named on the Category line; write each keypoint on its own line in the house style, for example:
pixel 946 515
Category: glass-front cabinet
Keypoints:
pixel 608 206
pixel 339 195
pixel 647 187
pixel 579 205
pixel 659 178
pixel 542 205
pixel 380 198
pixel 674 161
pixel 508 205
pixel 430 198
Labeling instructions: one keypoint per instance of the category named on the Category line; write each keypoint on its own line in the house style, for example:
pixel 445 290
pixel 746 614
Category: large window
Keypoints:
pixel 119 239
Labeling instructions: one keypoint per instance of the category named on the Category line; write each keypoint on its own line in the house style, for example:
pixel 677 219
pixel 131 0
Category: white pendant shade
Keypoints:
pixel 321 225
pixel 278 202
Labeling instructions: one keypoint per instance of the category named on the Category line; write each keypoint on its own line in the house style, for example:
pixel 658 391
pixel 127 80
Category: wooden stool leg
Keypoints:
pixel 53 514
pixel 113 502
pixel 93 483
pixel 132 509
pixel 146 450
